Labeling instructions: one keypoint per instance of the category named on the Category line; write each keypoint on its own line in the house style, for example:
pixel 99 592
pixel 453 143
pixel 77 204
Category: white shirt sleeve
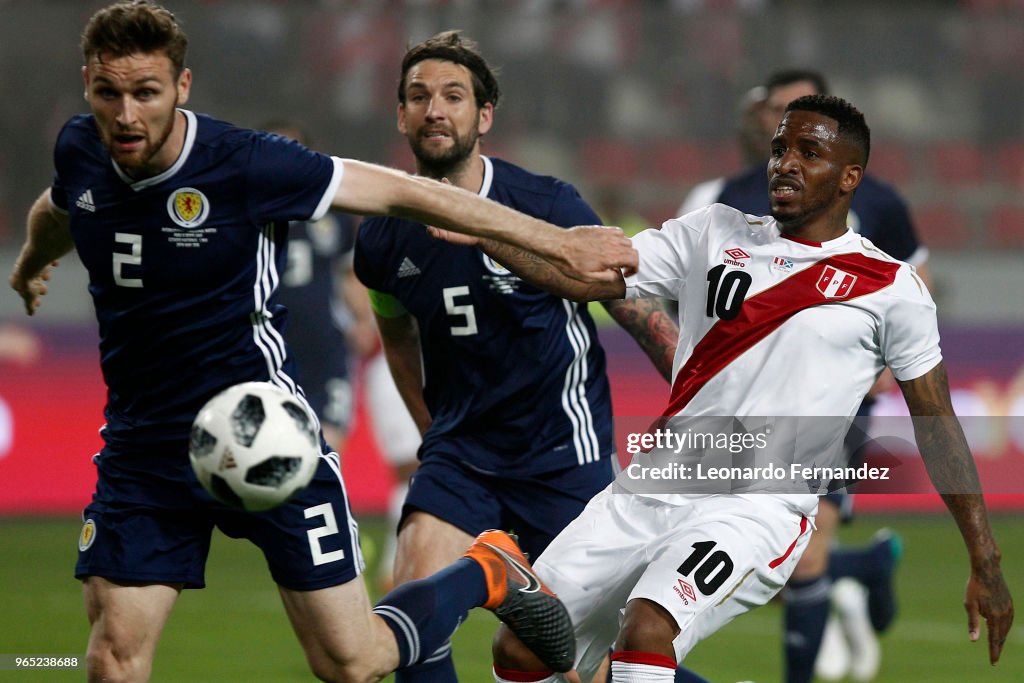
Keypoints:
pixel 665 256
pixel 909 331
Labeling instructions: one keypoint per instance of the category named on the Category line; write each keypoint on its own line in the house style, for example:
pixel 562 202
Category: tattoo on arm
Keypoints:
pixel 652 326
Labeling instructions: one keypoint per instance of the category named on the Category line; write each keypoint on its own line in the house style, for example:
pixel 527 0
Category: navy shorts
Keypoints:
pixel 536 509
pixel 151 521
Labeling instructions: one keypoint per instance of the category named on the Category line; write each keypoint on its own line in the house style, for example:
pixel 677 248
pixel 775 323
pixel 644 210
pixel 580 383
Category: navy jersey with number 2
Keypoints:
pixel 514 377
pixel 183 265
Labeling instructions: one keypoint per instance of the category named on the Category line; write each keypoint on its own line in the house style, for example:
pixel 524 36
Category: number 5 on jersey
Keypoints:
pixel 464 317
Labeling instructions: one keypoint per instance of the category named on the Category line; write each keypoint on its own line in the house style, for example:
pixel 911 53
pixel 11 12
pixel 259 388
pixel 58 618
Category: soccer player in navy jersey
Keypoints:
pixel 180 220
pixel 506 382
pixel 880 214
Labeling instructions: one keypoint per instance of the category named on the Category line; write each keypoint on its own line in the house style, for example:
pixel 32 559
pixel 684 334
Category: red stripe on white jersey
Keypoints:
pixel 762 314
pixel 789 551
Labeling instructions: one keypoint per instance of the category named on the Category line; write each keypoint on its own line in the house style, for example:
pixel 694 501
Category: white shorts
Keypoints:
pixel 393 428
pixel 706 562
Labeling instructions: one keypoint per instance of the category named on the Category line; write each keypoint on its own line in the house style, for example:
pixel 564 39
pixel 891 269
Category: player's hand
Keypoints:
pixel 597 253
pixel 452 237
pixel 31 289
pixel 571 676
pixel 987 596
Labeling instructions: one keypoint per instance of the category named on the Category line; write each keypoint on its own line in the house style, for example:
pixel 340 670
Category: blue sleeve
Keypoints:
pixel 369 254
pixel 288 182
pixel 58 193
pixel 568 209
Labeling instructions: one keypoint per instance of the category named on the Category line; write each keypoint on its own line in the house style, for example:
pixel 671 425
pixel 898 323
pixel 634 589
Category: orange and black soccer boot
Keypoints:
pixel 518 597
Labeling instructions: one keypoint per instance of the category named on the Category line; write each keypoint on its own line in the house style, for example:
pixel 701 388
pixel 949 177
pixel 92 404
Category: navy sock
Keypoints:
pixel 852 562
pixel 424 613
pixel 806 611
pixel 684 675
pixel 873 566
pixel 438 668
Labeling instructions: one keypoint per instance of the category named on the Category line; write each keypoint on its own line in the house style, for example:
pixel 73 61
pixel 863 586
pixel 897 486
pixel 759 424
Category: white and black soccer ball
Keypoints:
pixel 253 446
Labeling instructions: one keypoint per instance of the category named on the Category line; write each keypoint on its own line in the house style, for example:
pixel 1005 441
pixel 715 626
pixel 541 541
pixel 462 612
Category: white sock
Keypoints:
pixel 637 668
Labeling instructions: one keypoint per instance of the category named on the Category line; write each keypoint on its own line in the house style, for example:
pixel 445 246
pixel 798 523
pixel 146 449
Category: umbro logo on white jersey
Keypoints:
pixel 407 268
pixel 85 202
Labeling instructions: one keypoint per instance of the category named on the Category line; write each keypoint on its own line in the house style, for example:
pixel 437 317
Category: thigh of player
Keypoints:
pixel 733 557
pixel 310 542
pixel 338 631
pixel 446 507
pixel 126 621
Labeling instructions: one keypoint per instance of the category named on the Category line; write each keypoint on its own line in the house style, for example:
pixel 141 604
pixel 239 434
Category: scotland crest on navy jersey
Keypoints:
pixel 188 207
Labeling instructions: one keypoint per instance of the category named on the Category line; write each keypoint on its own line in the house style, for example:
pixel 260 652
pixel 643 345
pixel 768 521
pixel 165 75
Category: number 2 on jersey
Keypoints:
pixel 133 259
pixel 726 293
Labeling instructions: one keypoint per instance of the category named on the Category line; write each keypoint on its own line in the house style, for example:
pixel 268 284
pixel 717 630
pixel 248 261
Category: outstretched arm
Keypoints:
pixel 537 270
pixel 951 469
pixel 48 238
pixel 588 257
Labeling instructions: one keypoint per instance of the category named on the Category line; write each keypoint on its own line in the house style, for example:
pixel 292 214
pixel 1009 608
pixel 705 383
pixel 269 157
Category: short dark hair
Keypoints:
pixel 450 46
pixel 852 125
pixel 135 27
pixel 781 79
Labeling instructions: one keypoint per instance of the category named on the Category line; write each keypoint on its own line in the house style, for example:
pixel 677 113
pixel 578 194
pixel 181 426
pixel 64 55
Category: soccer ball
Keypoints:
pixel 253 446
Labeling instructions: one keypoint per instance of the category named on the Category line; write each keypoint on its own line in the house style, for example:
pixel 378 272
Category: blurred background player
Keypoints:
pixel 505 382
pixel 312 290
pixel 752 141
pixel 867 605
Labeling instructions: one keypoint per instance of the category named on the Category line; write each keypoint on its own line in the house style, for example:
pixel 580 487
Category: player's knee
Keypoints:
pixel 345 670
pixel 106 662
pixel 647 627
pixel 510 653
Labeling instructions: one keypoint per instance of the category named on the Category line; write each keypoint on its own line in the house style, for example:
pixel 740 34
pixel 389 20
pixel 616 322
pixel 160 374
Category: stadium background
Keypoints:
pixel 634 102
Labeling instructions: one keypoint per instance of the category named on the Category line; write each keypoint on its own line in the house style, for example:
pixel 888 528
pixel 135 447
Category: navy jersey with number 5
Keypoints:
pixel 183 265
pixel 514 377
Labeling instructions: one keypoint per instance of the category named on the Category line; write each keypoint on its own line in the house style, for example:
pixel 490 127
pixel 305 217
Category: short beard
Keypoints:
pixel 146 168
pixel 448 164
